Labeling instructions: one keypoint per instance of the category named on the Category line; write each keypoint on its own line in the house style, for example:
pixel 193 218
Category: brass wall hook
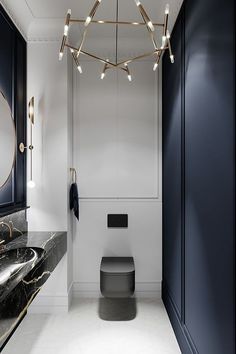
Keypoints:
pixel 73 174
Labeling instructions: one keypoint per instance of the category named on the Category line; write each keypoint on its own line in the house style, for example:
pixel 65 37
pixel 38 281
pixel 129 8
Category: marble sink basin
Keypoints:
pixel 15 264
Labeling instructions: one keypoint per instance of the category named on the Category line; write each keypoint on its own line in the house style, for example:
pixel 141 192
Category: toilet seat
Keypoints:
pixel 117 265
pixel 117 277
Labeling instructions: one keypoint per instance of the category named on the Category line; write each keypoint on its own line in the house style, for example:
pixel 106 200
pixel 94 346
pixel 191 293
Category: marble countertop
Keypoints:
pixel 21 255
pixel 26 263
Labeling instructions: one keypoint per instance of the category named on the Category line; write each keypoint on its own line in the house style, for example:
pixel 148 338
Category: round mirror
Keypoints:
pixel 7 141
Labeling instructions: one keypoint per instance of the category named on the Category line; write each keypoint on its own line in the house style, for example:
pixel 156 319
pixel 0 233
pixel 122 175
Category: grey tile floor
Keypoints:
pixel 95 326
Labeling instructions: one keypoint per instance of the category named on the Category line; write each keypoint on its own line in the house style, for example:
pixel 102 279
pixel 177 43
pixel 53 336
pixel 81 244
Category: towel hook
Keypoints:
pixel 74 174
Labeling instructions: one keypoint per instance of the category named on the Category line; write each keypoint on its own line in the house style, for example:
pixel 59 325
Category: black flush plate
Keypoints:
pixel 117 220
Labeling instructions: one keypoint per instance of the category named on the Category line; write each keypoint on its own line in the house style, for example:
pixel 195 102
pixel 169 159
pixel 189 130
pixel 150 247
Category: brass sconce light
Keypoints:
pixel 22 147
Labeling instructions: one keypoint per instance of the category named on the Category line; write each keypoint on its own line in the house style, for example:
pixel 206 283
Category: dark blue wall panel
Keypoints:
pixel 209 174
pixel 7 40
pixel 207 187
pixel 172 171
pixel 13 86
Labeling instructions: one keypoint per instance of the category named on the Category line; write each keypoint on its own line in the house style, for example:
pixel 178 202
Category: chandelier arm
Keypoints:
pixel 71 47
pixel 127 69
pixel 145 17
pixel 160 53
pixel 153 40
pixel 98 58
pixel 63 44
pixel 65 35
pixel 92 13
pixel 91 55
pixel 118 67
pixel 107 22
pixel 170 50
pixel 147 20
pixel 104 71
pixel 86 23
pixel 75 58
pixel 151 34
pixel 141 56
pixel 94 9
pixel 158 59
pixel 82 42
pixel 165 24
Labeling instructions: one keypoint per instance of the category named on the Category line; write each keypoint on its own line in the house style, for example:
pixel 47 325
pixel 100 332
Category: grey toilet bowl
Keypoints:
pixel 117 277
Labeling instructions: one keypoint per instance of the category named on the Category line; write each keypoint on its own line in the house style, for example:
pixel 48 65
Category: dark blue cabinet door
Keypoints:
pixel 209 175
pixel 172 161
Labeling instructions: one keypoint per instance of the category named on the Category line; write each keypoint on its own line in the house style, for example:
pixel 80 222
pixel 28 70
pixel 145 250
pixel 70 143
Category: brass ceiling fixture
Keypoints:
pixel 157 53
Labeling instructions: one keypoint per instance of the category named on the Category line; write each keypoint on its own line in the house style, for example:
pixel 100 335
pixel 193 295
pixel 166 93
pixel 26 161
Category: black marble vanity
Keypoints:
pixel 26 263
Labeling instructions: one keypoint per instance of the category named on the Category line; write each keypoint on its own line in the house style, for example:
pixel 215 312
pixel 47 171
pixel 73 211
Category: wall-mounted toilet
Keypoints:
pixel 117 277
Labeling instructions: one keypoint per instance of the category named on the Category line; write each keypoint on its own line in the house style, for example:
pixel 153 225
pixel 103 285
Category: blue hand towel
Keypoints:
pixel 74 199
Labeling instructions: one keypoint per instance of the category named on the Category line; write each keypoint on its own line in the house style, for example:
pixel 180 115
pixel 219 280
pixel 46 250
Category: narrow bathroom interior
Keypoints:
pixel 117 177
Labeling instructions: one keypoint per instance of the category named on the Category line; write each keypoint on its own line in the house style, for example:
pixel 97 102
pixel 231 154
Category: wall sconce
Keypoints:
pixel 22 147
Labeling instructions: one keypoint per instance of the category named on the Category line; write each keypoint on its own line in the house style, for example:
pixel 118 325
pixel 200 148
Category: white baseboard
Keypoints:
pixel 92 290
pixel 86 290
pixel 148 290
pixel 51 304
pixel 60 303
pixel 70 295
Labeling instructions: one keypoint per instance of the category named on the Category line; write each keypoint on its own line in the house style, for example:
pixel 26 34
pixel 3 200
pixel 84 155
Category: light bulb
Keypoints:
pixel 102 76
pixel 129 77
pixel 60 55
pixel 163 42
pixel 31 184
pixel 150 25
pixel 66 29
pixel 31 110
pixel 79 69
pixel 88 20
pixel 155 66
pixel 138 3
pixel 69 12
pixel 172 59
pixel 167 10
pixel 71 50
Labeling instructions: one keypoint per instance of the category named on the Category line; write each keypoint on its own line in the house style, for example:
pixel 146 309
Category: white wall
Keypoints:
pixel 117 153
pixel 116 125
pixel 49 82
pixel 70 164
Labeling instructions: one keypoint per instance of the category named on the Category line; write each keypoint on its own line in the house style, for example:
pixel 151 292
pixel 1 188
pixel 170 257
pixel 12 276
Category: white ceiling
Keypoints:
pixel 44 20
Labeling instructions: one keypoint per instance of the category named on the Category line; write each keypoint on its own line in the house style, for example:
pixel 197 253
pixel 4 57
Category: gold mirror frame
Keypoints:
pixel 14 129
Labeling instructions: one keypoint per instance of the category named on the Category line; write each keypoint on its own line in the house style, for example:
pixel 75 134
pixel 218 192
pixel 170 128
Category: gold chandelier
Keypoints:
pixel 157 53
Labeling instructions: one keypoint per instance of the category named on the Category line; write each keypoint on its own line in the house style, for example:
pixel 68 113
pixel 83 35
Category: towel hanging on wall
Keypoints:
pixel 74 195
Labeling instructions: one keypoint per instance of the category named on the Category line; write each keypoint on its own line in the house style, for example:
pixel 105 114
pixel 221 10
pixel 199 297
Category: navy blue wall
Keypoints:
pixel 172 148
pixel 199 178
pixel 13 86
